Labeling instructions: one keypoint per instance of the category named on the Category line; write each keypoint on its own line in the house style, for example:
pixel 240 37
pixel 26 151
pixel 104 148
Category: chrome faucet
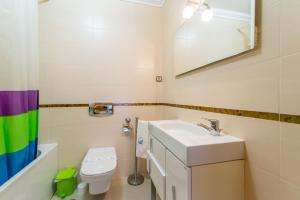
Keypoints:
pixel 214 128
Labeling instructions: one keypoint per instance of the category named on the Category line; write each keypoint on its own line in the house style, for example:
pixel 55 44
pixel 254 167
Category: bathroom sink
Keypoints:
pixel 194 145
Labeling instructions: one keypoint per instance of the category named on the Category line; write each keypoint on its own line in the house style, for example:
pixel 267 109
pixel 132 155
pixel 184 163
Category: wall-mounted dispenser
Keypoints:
pixel 127 127
pixel 101 109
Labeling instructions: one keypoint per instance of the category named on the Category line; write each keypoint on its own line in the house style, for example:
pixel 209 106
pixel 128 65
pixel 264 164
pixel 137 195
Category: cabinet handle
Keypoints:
pixel 173 192
pixel 151 145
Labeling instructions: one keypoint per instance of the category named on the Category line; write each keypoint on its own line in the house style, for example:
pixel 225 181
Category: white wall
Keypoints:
pixel 104 51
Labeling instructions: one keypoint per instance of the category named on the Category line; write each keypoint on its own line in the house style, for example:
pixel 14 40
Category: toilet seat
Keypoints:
pixel 99 161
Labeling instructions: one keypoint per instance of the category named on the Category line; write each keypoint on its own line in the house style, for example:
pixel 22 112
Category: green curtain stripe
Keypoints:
pixel 13 131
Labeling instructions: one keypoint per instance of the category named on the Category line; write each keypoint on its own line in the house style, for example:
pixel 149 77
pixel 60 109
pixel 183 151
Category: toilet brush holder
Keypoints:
pixel 135 179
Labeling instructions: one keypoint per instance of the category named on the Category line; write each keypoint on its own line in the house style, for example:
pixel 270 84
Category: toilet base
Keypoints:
pixel 97 169
pixel 98 188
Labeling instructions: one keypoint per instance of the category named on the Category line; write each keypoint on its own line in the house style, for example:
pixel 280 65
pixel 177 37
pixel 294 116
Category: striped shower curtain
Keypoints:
pixel 19 96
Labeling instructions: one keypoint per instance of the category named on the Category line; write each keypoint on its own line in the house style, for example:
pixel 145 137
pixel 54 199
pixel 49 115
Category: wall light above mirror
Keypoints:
pixel 213 30
pixel 193 6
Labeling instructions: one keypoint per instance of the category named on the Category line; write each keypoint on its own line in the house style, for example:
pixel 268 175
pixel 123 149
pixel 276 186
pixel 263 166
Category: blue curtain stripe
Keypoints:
pixel 17 161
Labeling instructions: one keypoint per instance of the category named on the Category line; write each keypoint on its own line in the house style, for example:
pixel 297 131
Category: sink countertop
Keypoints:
pixel 194 145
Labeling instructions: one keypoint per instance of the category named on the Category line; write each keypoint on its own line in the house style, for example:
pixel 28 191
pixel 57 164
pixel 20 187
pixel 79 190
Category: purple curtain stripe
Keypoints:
pixel 18 102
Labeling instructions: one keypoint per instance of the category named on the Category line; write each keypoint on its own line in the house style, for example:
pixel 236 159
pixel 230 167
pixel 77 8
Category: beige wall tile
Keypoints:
pixel 289 191
pixel 261 185
pixel 102 50
pixel 229 87
pixel 290 84
pixel 75 132
pixel 290 148
pixel 289 100
pixel 289 131
pixel 44 126
pixel 290 27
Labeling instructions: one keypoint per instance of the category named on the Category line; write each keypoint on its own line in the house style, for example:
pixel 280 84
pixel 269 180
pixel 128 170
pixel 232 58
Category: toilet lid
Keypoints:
pixel 99 161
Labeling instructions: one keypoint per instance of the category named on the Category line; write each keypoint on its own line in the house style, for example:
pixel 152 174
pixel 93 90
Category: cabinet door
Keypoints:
pixel 158 176
pixel 158 151
pixel 178 179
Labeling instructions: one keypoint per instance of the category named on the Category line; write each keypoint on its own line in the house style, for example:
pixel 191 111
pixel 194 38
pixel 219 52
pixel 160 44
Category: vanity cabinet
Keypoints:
pixel 158 150
pixel 177 179
pixel 174 180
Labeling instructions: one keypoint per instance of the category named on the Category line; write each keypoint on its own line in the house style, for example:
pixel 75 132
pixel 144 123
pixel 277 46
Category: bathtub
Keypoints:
pixel 34 182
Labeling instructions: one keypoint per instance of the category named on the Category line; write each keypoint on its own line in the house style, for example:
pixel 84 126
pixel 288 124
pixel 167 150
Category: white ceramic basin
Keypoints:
pixel 194 145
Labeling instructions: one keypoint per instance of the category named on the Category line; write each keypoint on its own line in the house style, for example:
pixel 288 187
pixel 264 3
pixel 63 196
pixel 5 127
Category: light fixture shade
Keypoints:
pixel 199 2
pixel 188 12
pixel 207 15
pixel 191 7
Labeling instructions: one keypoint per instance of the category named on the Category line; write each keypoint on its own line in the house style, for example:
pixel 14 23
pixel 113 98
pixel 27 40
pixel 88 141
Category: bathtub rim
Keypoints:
pixel 44 149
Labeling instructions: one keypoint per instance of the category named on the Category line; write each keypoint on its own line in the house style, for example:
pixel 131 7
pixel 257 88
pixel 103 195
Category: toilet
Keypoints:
pixel 97 169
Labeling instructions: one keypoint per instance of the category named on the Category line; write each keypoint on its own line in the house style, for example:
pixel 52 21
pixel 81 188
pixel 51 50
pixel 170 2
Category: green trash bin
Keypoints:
pixel 66 182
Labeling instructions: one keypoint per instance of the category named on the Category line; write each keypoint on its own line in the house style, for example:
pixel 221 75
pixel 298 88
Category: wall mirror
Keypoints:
pixel 213 30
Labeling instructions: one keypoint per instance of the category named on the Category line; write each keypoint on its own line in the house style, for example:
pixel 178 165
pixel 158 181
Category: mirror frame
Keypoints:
pixel 254 37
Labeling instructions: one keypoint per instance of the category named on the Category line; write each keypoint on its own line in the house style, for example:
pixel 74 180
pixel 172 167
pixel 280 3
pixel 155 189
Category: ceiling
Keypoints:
pixel 148 2
pixel 242 6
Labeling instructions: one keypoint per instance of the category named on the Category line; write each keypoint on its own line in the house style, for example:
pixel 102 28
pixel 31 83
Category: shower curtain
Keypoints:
pixel 19 95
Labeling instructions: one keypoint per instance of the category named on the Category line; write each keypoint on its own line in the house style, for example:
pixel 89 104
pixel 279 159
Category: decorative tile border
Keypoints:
pixel 243 113
pixel 63 105
pixel 295 119
pixel 87 105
